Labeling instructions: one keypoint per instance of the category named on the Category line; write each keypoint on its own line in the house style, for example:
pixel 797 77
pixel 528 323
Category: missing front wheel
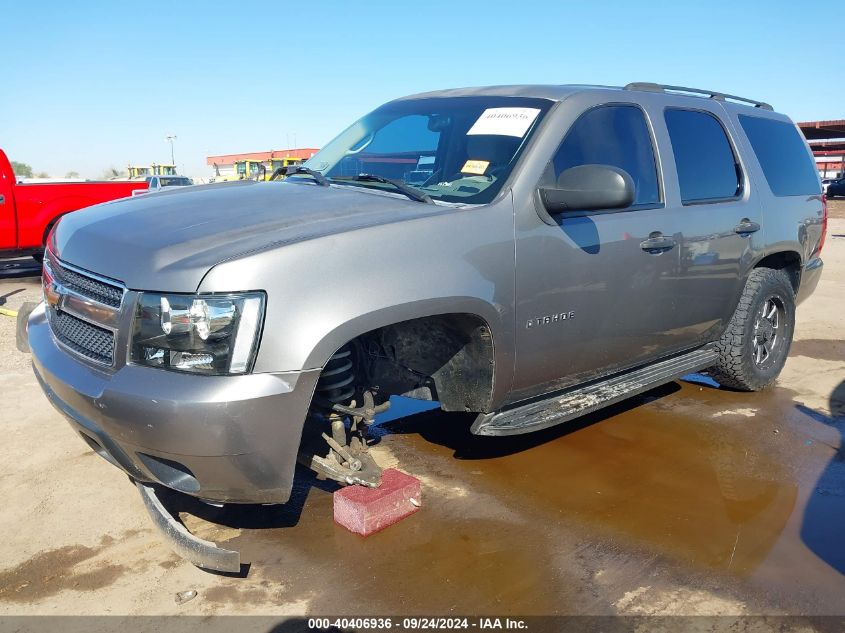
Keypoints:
pixel 339 419
pixel 344 455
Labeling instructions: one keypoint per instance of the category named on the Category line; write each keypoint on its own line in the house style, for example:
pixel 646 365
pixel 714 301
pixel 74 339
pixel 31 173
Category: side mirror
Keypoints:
pixel 589 188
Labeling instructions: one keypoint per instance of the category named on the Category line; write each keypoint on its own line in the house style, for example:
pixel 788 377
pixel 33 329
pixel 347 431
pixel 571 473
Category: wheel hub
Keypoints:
pixel 766 332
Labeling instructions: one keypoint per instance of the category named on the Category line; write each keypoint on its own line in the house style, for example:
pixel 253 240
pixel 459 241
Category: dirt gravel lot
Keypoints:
pixel 686 500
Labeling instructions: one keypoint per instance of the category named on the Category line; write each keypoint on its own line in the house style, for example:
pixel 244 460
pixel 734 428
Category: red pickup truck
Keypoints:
pixel 29 211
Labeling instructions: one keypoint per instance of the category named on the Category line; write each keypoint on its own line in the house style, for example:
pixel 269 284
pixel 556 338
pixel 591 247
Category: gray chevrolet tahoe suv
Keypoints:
pixel 527 253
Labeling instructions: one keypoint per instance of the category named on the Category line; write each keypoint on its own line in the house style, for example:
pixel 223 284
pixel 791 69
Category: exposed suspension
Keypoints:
pixel 336 400
pixel 337 381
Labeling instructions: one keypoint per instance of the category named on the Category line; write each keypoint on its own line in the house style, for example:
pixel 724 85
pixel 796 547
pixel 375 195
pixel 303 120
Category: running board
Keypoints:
pixel 573 403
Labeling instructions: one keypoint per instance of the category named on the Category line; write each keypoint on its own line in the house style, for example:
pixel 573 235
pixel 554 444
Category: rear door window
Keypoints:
pixel 779 148
pixel 708 170
pixel 615 135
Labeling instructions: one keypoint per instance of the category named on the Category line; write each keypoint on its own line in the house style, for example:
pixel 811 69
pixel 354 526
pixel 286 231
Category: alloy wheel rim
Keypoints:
pixel 768 332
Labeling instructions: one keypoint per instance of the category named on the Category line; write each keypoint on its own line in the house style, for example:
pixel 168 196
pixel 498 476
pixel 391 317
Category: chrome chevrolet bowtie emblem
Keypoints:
pixel 60 297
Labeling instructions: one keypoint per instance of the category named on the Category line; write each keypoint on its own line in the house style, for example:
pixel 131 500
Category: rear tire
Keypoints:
pixel 755 344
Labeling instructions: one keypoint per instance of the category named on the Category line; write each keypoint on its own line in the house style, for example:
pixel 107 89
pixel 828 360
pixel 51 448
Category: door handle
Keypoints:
pixel 2 199
pixel 746 227
pixel 657 243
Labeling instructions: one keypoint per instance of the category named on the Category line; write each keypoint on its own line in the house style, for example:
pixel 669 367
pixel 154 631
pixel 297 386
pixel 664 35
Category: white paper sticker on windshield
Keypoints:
pixel 504 121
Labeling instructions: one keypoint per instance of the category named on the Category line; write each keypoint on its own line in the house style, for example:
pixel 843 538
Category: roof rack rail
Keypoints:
pixel 712 94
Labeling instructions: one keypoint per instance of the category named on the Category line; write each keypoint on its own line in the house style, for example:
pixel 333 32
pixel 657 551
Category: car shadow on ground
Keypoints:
pixel 824 515
pixel 406 416
pixel 250 516
pixel 452 430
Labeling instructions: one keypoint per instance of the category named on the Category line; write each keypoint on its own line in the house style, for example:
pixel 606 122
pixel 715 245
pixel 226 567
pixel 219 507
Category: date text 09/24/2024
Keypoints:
pixel 417 623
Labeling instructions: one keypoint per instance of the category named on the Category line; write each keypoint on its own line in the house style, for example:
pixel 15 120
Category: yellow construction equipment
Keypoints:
pixel 249 169
pixel 140 172
pixel 263 170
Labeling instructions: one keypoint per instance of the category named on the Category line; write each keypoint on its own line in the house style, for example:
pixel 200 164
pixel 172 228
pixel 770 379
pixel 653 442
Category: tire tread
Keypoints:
pixel 732 371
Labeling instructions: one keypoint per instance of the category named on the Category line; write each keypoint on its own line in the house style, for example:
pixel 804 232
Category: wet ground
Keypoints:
pixel 688 499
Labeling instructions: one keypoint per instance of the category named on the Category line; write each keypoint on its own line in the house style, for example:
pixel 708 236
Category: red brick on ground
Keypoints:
pixel 366 510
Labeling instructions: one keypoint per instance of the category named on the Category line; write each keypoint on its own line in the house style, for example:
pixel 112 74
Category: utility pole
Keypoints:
pixel 170 139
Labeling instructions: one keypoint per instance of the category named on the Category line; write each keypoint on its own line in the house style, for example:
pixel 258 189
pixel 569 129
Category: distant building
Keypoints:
pixel 827 140
pixel 244 166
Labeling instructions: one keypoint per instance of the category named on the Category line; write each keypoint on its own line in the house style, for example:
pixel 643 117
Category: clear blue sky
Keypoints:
pixel 89 85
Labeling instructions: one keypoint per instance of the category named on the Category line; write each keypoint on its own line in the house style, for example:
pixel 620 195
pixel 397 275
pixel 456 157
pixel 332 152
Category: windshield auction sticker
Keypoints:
pixel 504 121
pixel 477 167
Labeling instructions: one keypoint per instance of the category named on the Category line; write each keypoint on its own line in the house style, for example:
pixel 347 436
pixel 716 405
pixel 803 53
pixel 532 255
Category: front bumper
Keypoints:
pixel 810 276
pixel 200 552
pixel 229 439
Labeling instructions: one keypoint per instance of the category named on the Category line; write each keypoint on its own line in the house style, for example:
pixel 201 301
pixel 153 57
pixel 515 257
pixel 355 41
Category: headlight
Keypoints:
pixel 201 334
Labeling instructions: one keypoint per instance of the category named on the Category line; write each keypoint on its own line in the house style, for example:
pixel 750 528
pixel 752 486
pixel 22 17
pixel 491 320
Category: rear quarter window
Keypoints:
pixel 781 152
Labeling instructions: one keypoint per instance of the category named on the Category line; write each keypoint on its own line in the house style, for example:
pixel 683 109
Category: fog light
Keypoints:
pixel 154 355
pixel 183 360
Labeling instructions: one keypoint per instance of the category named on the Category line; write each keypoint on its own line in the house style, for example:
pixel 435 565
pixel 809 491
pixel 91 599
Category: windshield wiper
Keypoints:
pixel 412 193
pixel 306 171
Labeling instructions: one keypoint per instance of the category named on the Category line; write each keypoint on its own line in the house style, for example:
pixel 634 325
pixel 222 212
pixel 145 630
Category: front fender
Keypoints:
pixel 324 292
pixel 350 329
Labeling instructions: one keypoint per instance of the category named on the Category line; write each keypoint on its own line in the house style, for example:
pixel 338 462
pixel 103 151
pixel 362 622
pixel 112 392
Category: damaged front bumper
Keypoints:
pixel 201 553
pixel 225 439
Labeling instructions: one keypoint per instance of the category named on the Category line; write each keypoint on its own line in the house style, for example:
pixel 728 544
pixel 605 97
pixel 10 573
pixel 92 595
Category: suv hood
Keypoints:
pixel 169 241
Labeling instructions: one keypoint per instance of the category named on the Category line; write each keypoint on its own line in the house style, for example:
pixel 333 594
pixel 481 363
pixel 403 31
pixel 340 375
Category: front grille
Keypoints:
pixel 95 289
pixel 82 337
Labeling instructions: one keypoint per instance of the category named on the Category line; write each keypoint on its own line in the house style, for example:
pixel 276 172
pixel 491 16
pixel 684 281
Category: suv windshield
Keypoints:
pixel 458 149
